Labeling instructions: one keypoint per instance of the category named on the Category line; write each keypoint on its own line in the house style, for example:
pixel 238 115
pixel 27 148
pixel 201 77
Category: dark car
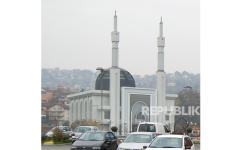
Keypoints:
pixel 96 140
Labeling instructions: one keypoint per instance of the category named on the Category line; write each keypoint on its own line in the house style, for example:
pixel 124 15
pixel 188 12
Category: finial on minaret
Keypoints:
pixel 161 28
pixel 115 22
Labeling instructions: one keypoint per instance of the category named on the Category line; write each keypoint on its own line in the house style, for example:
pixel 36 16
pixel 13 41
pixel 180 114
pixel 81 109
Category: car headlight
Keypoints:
pixel 96 147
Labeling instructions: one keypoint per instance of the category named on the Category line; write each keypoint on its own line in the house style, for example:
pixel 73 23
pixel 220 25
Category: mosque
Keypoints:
pixel 116 101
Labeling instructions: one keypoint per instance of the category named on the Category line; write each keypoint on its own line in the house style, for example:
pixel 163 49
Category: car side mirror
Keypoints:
pixel 144 147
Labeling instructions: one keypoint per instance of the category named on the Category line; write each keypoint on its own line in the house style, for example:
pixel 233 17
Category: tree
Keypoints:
pixel 74 124
pixel 114 129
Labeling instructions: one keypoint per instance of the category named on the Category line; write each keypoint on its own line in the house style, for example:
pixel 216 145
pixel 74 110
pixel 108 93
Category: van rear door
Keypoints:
pixel 146 128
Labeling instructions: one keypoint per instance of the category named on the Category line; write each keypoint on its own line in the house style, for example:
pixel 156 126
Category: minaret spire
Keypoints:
pixel 161 75
pixel 115 42
pixel 115 22
pixel 161 44
pixel 161 28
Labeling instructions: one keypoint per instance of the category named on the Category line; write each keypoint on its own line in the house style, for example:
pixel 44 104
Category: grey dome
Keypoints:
pixel 102 80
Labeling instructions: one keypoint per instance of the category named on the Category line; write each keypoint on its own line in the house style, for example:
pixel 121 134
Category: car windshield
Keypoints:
pixel 166 142
pixel 138 138
pixel 83 129
pixel 92 136
pixel 147 128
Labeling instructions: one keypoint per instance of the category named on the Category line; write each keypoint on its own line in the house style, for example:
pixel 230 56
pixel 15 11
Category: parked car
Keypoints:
pixel 155 127
pixel 96 140
pixel 82 129
pixel 136 140
pixel 176 142
pixel 65 129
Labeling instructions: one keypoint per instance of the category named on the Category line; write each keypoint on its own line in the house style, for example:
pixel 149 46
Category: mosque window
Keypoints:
pixel 107 114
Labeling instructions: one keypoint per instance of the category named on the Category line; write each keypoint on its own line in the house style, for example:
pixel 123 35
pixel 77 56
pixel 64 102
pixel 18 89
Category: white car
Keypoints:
pixel 171 142
pixel 136 140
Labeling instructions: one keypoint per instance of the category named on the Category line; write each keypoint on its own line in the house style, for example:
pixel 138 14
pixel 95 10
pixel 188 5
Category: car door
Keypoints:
pixel 107 143
pixel 111 143
pixel 113 140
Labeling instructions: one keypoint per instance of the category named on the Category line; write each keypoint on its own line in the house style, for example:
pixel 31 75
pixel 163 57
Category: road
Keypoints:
pixel 56 147
pixel 67 147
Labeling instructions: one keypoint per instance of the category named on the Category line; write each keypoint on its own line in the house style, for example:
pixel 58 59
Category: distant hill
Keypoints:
pixel 77 79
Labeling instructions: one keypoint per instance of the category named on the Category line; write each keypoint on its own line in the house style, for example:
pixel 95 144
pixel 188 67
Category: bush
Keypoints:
pixel 58 135
pixel 189 130
pixel 43 139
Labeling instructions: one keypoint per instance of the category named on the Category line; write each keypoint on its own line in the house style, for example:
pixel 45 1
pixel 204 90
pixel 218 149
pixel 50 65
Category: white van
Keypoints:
pixel 156 127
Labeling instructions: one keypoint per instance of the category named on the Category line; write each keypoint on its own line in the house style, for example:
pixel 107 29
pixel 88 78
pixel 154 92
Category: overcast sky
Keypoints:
pixel 76 34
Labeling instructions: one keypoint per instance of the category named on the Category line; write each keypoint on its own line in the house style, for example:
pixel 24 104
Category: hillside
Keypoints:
pixel 77 79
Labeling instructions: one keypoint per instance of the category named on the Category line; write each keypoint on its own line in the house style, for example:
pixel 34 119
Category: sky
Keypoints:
pixel 76 34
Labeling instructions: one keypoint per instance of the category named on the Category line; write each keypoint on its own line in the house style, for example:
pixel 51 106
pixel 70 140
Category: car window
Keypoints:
pixel 83 129
pixel 166 142
pixel 66 128
pixel 92 136
pixel 147 128
pixel 109 136
pixel 138 138
pixel 112 135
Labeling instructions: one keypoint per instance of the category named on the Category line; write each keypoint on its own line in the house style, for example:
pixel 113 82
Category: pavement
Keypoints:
pixel 67 147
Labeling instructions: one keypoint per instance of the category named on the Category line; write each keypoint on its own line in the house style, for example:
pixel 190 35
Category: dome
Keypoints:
pixel 102 80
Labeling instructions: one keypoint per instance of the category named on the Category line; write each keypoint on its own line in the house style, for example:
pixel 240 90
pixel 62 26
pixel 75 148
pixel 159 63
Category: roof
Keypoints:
pixel 103 79
pixel 151 123
pixel 88 92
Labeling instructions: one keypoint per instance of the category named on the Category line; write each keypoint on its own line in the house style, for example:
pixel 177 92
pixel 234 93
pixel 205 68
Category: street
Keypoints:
pixel 67 147
pixel 56 147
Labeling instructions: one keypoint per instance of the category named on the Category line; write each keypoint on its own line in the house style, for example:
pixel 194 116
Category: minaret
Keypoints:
pixel 115 41
pixel 115 79
pixel 161 75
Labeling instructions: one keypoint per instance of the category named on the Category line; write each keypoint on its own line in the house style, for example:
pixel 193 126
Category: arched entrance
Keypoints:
pixel 137 116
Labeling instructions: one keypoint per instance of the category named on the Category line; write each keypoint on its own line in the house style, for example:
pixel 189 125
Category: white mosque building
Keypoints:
pixel 116 101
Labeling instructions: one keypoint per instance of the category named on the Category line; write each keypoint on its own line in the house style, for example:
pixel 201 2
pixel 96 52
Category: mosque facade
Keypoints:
pixel 116 101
